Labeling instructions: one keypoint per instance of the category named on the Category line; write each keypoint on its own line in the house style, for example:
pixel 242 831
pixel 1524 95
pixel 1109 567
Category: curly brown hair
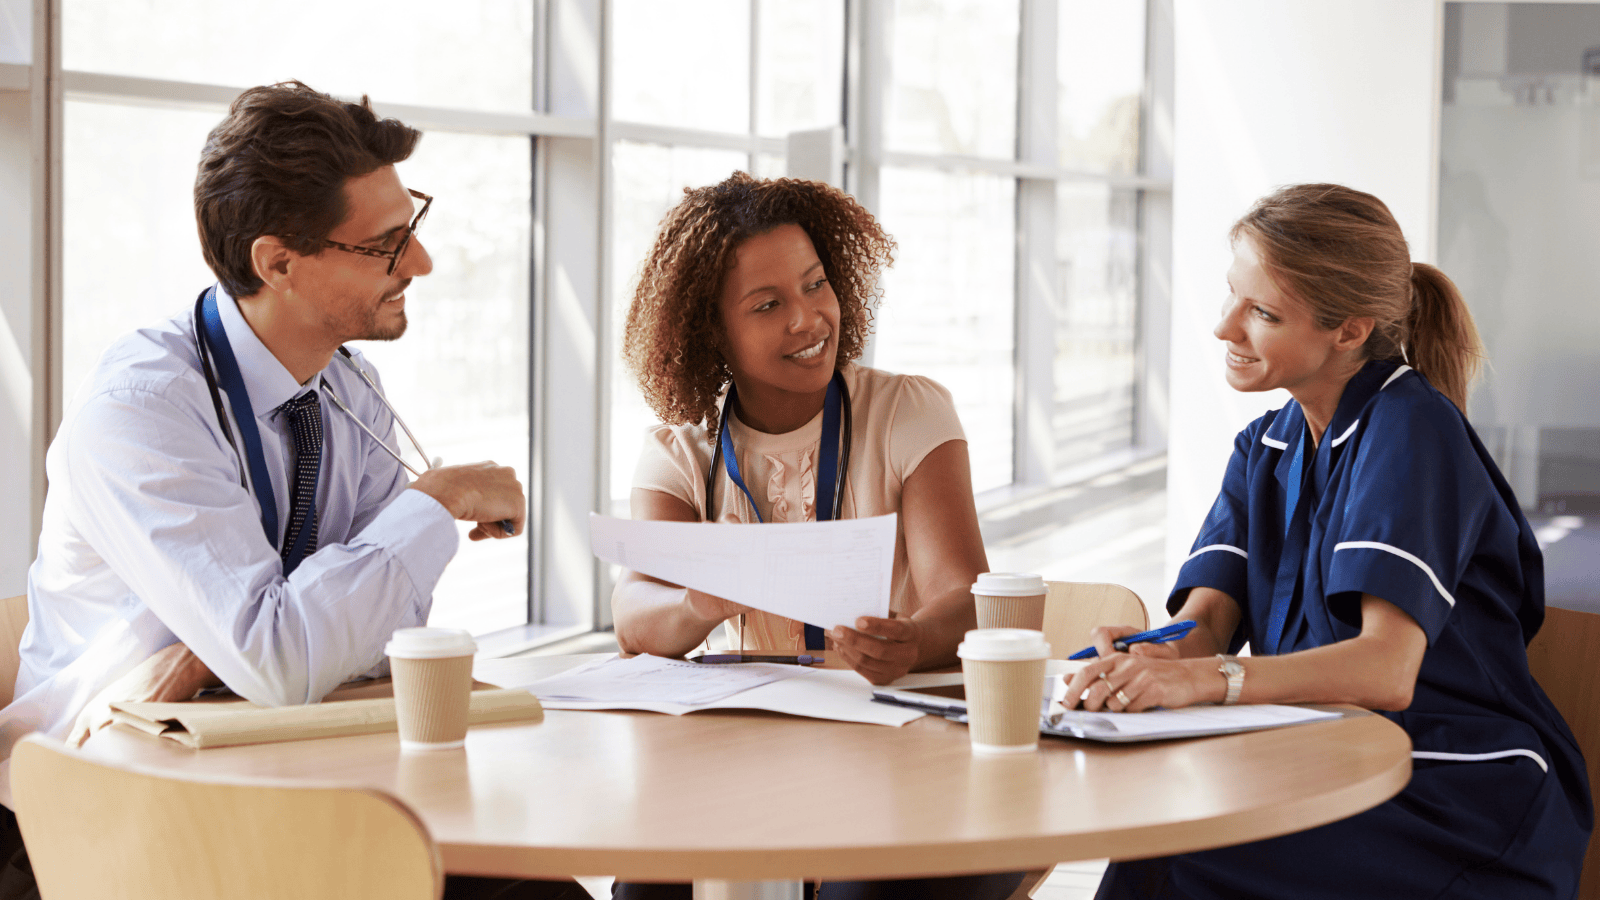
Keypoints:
pixel 673 337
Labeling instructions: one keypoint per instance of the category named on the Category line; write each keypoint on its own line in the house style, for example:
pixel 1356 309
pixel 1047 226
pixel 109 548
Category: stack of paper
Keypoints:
pixel 837 694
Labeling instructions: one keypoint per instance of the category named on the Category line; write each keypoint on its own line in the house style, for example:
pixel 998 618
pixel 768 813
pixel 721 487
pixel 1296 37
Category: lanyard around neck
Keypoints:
pixel 830 489
pixel 211 336
pixel 1289 584
pixel 831 473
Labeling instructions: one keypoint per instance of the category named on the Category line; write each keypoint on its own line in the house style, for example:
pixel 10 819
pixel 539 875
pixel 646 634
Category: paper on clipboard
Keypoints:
pixel 823 573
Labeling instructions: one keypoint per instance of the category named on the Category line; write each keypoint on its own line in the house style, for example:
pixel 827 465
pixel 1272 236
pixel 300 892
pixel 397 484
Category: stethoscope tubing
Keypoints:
pixel 207 366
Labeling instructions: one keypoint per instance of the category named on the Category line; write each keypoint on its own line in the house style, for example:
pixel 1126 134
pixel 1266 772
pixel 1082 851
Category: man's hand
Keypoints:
pixel 880 649
pixel 171 673
pixel 479 492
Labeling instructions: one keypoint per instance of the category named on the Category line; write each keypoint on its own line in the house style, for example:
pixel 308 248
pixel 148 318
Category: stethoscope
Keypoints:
pixel 832 456
pixel 222 373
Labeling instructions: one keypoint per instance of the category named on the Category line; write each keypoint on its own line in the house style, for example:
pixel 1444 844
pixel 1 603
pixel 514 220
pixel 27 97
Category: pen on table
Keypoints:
pixel 1169 632
pixel 801 660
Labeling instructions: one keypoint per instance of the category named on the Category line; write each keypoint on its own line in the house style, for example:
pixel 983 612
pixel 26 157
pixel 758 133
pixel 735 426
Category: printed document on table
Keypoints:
pixel 650 679
pixel 823 573
pixel 837 694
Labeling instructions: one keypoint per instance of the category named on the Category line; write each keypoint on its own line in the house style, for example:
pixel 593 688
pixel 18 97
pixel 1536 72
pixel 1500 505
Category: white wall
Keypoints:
pixel 1274 92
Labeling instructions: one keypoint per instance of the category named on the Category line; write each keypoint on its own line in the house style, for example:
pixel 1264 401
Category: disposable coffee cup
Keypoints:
pixel 432 669
pixel 1009 600
pixel 1003 670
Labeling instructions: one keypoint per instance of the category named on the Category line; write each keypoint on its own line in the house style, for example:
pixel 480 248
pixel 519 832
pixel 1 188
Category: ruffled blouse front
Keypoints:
pixel 779 469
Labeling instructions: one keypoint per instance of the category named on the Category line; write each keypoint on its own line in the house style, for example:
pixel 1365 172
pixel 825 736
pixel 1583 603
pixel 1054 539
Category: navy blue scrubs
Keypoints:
pixel 1401 501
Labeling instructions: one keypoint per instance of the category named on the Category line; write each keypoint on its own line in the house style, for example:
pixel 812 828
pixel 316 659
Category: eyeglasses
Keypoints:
pixel 393 256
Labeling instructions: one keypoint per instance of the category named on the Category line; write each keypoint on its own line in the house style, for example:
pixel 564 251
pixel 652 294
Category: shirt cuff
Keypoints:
pixel 419 533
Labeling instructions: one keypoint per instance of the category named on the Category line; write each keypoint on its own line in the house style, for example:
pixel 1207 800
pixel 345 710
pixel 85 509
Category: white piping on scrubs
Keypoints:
pixel 1209 547
pixel 1374 545
pixel 1397 373
pixel 1347 432
pixel 1479 757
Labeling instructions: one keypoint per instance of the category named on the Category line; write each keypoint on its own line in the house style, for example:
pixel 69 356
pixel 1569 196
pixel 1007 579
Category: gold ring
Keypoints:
pixel 1104 678
pixel 1122 697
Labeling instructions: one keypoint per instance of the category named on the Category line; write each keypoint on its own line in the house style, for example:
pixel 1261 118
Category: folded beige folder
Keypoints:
pixel 229 723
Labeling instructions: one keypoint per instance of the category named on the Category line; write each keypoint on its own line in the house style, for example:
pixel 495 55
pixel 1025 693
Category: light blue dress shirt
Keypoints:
pixel 149 538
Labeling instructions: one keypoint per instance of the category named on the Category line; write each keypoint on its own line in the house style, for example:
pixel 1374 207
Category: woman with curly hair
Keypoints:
pixel 749 314
pixel 764 290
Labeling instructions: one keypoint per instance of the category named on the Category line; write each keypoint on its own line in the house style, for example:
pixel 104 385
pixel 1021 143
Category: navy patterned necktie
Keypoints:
pixel 305 425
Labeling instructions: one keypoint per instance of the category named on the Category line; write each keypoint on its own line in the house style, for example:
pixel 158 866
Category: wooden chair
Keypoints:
pixel 99 831
pixel 1073 608
pixel 1562 657
pixel 13 619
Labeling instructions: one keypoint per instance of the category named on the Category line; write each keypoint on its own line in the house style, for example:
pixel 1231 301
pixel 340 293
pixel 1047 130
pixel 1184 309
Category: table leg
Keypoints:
pixel 712 889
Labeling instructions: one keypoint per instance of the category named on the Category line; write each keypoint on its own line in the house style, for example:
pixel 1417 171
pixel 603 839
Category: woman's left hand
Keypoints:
pixel 880 649
pixel 1147 677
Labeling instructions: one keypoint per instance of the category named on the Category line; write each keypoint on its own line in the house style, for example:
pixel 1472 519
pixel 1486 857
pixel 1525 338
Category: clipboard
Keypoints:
pixel 947 698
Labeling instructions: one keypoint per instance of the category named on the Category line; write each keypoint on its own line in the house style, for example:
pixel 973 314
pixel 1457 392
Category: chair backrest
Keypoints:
pixel 95 830
pixel 1562 657
pixel 13 619
pixel 1074 608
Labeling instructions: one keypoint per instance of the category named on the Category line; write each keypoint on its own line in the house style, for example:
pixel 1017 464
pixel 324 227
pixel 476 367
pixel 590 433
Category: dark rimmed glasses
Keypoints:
pixel 393 256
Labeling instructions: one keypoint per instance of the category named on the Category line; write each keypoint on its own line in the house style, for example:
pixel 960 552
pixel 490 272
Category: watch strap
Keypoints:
pixel 1233 670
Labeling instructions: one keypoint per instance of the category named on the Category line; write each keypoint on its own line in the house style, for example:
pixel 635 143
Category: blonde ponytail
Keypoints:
pixel 1340 251
pixel 1441 340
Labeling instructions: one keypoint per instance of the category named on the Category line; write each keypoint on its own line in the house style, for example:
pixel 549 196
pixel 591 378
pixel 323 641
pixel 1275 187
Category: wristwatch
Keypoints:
pixel 1234 672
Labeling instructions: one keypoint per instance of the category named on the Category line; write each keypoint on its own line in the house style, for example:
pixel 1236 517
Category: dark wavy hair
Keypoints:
pixel 1340 251
pixel 277 165
pixel 673 338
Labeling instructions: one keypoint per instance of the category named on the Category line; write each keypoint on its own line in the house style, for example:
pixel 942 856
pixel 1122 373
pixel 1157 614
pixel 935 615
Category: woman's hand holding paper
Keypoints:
pixel 880 649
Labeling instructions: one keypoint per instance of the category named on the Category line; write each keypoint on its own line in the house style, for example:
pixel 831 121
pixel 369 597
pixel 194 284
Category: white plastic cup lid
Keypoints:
pixel 430 643
pixel 1008 584
pixel 1003 644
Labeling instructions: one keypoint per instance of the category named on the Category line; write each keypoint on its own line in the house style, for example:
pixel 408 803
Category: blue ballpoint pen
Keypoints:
pixel 1169 632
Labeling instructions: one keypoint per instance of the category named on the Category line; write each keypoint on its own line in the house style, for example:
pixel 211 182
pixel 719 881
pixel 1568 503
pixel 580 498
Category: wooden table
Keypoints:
pixel 750 796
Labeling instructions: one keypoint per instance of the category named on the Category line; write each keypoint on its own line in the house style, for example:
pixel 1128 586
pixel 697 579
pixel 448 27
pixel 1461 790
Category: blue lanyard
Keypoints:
pixel 209 324
pixel 829 491
pixel 828 458
pixel 1299 504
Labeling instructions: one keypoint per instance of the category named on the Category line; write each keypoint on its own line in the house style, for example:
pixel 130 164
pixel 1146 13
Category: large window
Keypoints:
pixel 130 253
pixel 1003 143
pixel 955 274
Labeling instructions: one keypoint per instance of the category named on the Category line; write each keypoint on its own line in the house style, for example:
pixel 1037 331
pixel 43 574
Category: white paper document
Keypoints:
pixel 838 694
pixel 822 573
pixel 652 679
pixel 1190 721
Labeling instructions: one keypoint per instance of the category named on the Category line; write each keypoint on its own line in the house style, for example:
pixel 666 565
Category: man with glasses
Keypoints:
pixel 226 505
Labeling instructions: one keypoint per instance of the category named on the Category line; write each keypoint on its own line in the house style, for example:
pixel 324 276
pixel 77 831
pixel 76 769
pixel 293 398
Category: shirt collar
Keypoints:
pixel 1358 392
pixel 265 378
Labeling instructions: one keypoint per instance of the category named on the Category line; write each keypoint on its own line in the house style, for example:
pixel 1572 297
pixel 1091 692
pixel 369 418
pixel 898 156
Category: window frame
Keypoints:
pixel 571 285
